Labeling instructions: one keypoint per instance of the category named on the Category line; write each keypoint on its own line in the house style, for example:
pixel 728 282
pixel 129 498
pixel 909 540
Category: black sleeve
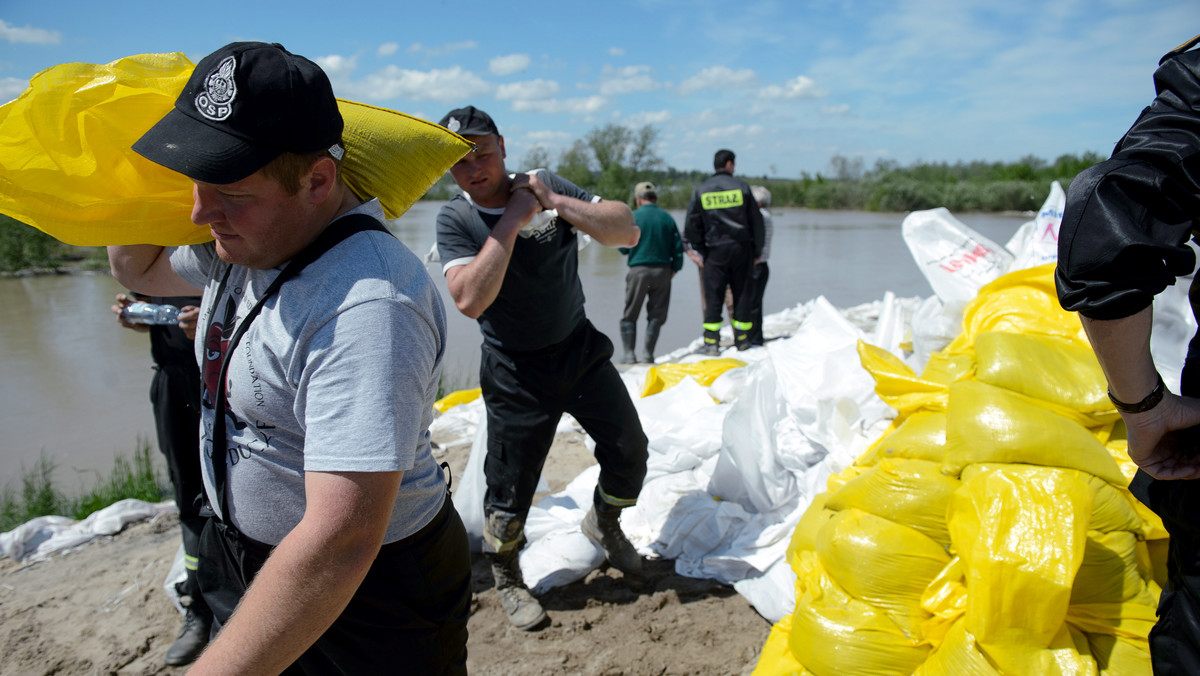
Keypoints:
pixel 1127 220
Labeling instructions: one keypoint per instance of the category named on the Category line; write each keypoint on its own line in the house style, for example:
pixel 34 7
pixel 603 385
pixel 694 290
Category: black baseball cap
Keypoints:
pixel 244 105
pixel 469 121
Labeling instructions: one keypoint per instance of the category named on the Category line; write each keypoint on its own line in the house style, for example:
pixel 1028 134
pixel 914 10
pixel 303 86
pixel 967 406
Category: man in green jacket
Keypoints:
pixel 653 261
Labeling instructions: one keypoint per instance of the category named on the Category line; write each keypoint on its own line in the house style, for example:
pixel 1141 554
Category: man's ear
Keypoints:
pixel 320 180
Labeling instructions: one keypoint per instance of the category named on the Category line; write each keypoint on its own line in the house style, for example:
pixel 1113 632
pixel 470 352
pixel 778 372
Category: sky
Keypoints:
pixel 786 84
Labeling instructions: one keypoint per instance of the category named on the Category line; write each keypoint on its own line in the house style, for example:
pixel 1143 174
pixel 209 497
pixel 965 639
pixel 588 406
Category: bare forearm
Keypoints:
pixel 300 591
pixel 475 286
pixel 609 223
pixel 309 578
pixel 1122 347
pixel 146 268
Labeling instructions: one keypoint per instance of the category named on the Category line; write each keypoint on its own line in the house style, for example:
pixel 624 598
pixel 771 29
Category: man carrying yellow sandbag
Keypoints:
pixel 334 534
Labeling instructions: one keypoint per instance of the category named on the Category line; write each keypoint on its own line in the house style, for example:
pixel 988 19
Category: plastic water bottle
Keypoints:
pixel 150 313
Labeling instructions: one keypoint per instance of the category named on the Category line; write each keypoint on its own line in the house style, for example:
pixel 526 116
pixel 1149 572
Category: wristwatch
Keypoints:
pixel 1151 400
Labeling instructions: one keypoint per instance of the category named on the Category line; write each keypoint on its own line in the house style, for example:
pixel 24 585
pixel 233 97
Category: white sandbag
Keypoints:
pixel 38 538
pixel 175 577
pixel 827 391
pixel 683 425
pixel 1036 242
pixel 934 326
pixel 558 552
pixel 747 471
pixel 470 487
pixel 955 259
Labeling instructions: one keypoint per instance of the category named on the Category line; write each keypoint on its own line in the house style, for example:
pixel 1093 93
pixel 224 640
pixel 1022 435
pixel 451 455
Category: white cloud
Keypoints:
pixel 529 90
pixel 443 85
pixel 801 87
pixel 836 111
pixel 338 68
pixel 648 117
pixel 507 65
pixel 732 130
pixel 616 51
pixel 718 77
pixel 449 48
pixel 549 138
pixel 28 34
pixel 587 105
pixel 387 49
pixel 11 88
pixel 627 80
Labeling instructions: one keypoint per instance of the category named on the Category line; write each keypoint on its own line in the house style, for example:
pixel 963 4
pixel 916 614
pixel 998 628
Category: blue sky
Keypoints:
pixel 786 84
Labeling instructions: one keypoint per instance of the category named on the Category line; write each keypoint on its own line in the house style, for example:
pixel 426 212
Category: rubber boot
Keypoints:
pixel 602 525
pixel 628 339
pixel 652 329
pixel 741 339
pixel 712 344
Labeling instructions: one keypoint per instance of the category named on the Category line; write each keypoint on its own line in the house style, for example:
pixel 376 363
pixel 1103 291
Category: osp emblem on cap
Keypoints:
pixel 215 101
pixel 454 125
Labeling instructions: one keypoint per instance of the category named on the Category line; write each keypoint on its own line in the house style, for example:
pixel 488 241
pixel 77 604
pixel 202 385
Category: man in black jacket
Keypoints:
pixel 1124 239
pixel 724 230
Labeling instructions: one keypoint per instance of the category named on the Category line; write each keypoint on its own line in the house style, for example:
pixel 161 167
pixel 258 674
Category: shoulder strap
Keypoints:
pixel 330 237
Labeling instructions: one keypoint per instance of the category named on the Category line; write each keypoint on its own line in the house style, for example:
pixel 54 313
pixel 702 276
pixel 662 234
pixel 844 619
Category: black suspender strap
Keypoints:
pixel 330 237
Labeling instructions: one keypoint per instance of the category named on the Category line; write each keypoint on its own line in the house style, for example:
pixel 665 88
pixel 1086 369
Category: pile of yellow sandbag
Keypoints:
pixel 989 530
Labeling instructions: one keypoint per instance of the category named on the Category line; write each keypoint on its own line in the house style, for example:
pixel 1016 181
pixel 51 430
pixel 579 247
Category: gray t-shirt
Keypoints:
pixel 338 373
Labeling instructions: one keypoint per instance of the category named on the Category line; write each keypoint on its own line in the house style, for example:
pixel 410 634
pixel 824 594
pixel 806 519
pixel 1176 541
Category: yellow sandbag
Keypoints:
pixel 912 493
pixel 1120 656
pixel 665 376
pixel 947 368
pixel 945 599
pixel 834 633
pixel 804 537
pixel 880 562
pixel 776 659
pixel 1110 572
pixel 1050 368
pixel 1131 620
pixel 958 655
pixel 1112 508
pixel 991 424
pixel 921 436
pixel 1023 301
pixel 897 384
pixel 1021 538
pixel 455 398
pixel 67 166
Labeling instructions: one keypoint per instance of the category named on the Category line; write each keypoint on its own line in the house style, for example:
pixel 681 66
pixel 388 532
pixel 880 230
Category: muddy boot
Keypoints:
pixel 519 604
pixel 628 339
pixel 603 527
pixel 652 329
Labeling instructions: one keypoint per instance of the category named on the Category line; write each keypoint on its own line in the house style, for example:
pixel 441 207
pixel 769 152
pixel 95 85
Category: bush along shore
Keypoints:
pixel 135 477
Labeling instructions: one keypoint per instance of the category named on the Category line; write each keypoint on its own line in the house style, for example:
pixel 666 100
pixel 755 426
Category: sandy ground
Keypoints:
pixel 102 610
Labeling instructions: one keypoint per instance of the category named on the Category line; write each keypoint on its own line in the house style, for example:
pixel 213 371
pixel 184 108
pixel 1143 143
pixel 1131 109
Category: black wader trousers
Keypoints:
pixel 526 394
pixel 175 396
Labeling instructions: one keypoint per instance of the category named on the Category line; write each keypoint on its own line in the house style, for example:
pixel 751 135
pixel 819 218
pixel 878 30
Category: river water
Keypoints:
pixel 75 385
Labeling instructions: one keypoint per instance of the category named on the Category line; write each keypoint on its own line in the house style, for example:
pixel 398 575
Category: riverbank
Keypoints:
pixel 102 609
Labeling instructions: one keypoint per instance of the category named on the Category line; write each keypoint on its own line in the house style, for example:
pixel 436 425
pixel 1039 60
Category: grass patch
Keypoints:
pixel 137 477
